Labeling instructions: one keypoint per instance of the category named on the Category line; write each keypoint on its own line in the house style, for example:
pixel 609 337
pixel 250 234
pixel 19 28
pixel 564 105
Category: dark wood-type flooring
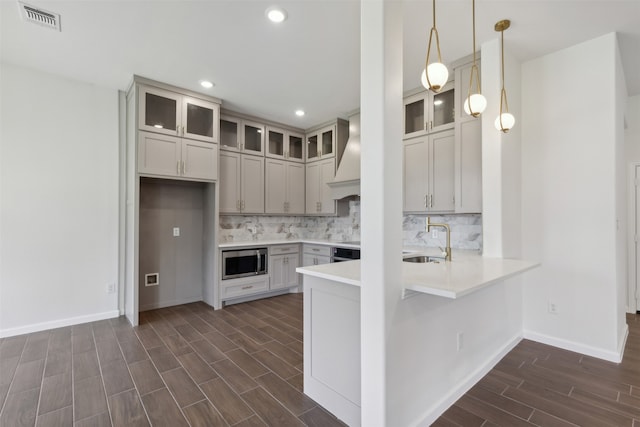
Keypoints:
pixel 183 366
pixel 536 384
pixel 242 366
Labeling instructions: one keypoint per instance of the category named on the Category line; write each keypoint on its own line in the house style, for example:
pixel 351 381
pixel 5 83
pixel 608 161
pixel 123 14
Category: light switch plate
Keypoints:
pixel 176 231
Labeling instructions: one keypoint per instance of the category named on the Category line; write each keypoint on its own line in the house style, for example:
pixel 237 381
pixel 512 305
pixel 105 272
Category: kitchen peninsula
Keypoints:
pixel 441 302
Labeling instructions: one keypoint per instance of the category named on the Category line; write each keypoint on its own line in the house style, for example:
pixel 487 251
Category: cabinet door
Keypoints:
pixel 313 146
pixel 230 130
pixel 229 182
pixel 469 167
pixel 275 187
pixel 328 142
pixel 415 174
pixel 308 259
pixel 201 119
pixel 292 261
pixel 295 147
pixel 252 137
pixel 277 271
pixel 328 173
pixel 415 115
pixel 442 166
pixel 312 196
pixel 276 146
pixel 199 160
pixel 160 111
pixel 295 188
pixel 252 184
pixel 159 154
pixel 442 112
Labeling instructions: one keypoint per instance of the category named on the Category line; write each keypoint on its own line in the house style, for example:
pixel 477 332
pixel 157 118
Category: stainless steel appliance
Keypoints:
pixel 244 262
pixel 339 254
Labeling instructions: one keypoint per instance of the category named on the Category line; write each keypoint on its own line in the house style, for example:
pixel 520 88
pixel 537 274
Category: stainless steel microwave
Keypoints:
pixel 244 262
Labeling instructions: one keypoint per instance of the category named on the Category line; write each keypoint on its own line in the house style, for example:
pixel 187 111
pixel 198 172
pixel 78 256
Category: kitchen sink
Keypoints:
pixel 421 259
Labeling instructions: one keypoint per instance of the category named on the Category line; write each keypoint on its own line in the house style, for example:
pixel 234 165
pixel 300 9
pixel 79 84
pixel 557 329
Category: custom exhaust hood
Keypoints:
pixel 347 180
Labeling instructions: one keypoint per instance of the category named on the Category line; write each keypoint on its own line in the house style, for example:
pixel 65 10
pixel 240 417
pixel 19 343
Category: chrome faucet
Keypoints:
pixel 447 251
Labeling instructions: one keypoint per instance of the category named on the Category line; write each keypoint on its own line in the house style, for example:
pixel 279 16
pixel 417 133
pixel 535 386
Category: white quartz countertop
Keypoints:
pixel 260 243
pixel 467 273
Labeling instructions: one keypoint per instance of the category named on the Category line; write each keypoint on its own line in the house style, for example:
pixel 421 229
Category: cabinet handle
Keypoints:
pixel 247 287
pixel 241 205
pixel 425 201
pixel 184 168
pixel 178 167
pixel 238 204
pixel 430 200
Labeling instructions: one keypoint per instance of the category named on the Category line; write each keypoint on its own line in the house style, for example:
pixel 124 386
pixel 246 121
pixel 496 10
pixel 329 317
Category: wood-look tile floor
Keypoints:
pixel 183 366
pixel 536 384
pixel 242 366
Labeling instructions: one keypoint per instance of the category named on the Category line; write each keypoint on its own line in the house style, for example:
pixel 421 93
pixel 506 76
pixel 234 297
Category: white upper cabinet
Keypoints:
pixel 318 193
pixel 427 112
pixel 171 113
pixel 241 135
pixel 173 157
pixel 282 144
pixel 241 183
pixel 321 144
pixel 284 187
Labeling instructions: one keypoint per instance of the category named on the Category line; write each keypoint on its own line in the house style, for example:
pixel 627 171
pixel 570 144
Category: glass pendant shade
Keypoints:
pixel 506 123
pixel 475 104
pixel 438 76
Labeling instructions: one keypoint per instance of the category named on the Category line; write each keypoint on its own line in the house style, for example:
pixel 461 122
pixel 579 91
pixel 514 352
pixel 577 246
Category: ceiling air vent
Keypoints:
pixel 40 16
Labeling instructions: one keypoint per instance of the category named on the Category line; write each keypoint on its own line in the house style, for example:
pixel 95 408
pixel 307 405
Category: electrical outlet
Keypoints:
pixel 552 307
pixel 434 233
pixel 111 288
pixel 460 340
pixel 176 231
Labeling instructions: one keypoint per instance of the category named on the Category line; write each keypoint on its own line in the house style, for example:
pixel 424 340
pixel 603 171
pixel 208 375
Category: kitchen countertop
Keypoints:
pixel 467 273
pixel 257 243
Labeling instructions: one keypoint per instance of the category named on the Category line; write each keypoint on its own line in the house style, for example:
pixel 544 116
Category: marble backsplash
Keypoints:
pixel 466 230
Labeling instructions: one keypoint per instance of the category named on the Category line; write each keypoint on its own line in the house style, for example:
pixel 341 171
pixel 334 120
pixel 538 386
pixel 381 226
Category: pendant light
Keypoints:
pixel 505 120
pixel 435 75
pixel 475 103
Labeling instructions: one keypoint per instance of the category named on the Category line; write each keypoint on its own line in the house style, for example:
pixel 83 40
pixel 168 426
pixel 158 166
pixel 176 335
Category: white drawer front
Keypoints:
pixel 317 250
pixel 284 249
pixel 244 287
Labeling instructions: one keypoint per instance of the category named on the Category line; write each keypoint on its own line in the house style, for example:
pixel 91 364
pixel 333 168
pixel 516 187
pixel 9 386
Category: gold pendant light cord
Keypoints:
pixel 504 104
pixel 433 30
pixel 474 68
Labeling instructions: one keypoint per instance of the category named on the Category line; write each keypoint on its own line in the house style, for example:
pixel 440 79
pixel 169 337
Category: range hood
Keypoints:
pixel 347 180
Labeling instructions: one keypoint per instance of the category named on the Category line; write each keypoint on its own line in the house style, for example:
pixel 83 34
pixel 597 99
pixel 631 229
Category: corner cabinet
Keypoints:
pixel 318 193
pixel 429 169
pixel 284 187
pixel 241 183
pixel 170 113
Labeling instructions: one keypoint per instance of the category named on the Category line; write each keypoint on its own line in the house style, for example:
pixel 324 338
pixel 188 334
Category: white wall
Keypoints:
pixel 569 205
pixel 632 157
pixel 632 134
pixel 58 201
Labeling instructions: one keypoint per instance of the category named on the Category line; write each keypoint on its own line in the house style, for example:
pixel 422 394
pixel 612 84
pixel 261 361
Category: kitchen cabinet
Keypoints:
pixel 283 261
pixel 318 194
pixel 170 113
pixel 284 187
pixel 468 143
pixel 315 254
pixel 429 170
pixel 173 157
pixel 241 183
pixel 282 144
pixel 427 112
pixel 241 135
pixel 327 141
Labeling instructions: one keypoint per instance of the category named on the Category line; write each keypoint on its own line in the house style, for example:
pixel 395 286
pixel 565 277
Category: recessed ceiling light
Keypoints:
pixel 276 14
pixel 299 113
pixel 206 84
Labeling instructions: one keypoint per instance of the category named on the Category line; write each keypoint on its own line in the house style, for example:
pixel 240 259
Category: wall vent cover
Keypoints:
pixel 40 16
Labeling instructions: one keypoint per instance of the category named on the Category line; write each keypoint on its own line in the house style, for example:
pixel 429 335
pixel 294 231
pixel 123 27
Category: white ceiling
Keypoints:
pixel 311 61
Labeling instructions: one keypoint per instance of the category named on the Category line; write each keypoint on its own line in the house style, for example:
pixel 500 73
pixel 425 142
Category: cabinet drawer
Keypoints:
pixel 284 249
pixel 243 287
pixel 317 250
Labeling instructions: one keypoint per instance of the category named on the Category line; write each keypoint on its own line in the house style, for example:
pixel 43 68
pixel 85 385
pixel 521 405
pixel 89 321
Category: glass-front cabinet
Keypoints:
pixel 321 144
pixel 170 113
pixel 427 112
pixel 230 133
pixel 253 137
pixel 283 144
pixel 241 135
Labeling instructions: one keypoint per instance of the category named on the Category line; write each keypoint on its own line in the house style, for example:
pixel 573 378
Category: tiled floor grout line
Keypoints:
pixel 104 388
pixel 73 381
pixel 12 378
pixel 44 369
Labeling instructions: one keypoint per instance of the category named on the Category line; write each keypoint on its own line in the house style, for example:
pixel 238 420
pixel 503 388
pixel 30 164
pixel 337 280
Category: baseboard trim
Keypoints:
pixel 43 326
pixel 461 388
pixel 154 306
pixel 611 356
